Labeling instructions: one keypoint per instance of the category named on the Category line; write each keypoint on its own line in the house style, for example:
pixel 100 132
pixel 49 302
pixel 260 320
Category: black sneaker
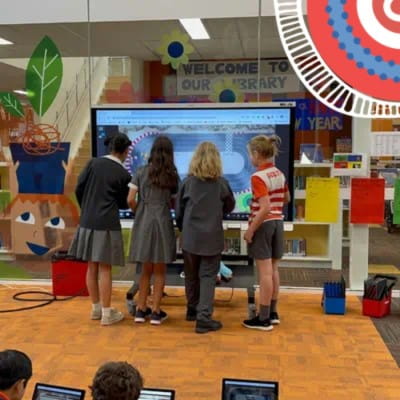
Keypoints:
pixel 274 318
pixel 141 315
pixel 158 318
pixel 191 314
pixel 256 323
pixel 208 326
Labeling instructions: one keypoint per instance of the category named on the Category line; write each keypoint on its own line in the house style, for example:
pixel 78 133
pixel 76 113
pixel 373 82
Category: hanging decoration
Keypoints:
pixel 226 91
pixel 347 55
pixel 175 49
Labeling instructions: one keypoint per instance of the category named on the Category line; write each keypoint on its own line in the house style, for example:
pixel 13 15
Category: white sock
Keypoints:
pixel 106 311
pixel 96 307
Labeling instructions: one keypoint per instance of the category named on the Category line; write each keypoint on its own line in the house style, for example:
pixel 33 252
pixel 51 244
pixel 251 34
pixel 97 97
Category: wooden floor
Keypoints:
pixel 313 356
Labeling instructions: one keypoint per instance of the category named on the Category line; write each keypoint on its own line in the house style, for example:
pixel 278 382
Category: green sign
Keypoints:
pixel 396 205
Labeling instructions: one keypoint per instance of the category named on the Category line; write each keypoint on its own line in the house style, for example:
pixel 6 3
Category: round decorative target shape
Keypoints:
pixel 348 57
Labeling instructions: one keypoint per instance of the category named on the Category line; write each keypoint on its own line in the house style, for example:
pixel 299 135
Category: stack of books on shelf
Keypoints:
pixel 344 181
pixel 295 248
pixel 232 246
pixel 300 182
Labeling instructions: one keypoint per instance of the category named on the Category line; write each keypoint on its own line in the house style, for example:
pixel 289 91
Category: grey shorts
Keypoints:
pixel 267 241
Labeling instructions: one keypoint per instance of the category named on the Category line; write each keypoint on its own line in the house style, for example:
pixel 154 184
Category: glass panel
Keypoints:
pixel 44 115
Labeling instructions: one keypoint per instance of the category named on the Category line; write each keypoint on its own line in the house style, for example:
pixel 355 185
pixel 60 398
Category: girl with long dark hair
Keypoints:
pixel 153 237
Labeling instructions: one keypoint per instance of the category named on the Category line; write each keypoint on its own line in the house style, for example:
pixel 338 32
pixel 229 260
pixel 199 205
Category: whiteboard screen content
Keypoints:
pixel 229 128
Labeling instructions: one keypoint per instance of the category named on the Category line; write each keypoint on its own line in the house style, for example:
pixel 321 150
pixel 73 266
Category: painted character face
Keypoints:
pixel 41 227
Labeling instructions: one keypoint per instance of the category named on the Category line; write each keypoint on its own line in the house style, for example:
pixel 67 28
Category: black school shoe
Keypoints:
pixel 256 323
pixel 274 318
pixel 191 314
pixel 158 318
pixel 141 315
pixel 207 326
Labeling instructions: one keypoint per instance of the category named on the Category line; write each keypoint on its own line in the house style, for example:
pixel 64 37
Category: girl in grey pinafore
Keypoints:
pixel 153 237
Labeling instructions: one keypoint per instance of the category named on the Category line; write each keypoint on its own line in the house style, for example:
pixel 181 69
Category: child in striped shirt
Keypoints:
pixel 265 233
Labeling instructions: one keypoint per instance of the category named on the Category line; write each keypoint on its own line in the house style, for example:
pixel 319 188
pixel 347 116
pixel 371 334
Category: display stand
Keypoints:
pixel 359 234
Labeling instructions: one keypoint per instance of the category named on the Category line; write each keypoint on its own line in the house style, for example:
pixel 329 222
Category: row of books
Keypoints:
pixel 232 246
pixel 295 247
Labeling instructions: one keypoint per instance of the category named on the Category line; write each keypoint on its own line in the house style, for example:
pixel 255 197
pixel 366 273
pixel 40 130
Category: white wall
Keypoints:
pixel 45 11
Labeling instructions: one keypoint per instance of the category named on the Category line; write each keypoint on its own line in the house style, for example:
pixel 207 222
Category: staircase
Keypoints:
pixel 111 94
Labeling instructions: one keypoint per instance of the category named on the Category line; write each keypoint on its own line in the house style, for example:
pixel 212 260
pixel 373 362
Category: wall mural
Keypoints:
pixel 42 215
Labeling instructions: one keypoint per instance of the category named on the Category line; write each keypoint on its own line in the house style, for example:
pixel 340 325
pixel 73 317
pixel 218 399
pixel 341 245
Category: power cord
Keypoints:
pixel 43 302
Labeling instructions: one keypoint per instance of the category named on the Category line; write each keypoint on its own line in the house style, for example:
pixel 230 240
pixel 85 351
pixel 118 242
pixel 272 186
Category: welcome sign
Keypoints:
pixel 199 78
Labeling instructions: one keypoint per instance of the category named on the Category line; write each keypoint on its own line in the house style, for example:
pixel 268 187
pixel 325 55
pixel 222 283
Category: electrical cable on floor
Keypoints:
pixel 43 301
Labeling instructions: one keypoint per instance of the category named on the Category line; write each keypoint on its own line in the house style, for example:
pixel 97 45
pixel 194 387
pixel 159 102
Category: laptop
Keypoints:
pixel 156 394
pixel 235 389
pixel 52 392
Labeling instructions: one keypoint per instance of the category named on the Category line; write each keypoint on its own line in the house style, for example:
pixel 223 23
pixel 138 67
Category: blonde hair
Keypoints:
pixel 206 162
pixel 266 146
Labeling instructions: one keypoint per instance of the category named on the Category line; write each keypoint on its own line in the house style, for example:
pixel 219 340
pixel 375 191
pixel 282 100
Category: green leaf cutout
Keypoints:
pixel 11 104
pixel 44 75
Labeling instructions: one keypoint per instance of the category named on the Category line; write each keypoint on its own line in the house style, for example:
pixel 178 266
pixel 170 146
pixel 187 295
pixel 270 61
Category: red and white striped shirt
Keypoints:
pixel 268 181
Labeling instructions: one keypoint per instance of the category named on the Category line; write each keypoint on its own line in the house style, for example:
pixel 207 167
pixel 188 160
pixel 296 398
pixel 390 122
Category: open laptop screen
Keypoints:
pixel 157 394
pixel 51 392
pixel 234 389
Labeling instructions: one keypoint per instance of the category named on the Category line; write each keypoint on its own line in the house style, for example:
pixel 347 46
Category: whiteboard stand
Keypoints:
pixel 359 234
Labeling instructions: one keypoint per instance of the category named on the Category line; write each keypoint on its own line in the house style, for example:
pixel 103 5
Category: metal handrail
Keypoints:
pixel 74 97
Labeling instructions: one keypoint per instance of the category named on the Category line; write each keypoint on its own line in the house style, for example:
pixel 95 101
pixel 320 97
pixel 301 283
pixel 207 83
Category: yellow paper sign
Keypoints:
pixel 322 200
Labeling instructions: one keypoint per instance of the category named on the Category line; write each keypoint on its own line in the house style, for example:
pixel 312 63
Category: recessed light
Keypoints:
pixel 195 28
pixel 23 92
pixel 5 42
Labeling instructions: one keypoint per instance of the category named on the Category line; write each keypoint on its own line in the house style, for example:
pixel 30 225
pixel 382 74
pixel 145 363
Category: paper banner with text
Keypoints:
pixel 322 200
pixel 396 205
pixel 367 204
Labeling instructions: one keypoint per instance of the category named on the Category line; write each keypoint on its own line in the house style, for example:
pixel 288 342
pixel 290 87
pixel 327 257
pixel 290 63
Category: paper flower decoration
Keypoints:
pixel 175 49
pixel 226 91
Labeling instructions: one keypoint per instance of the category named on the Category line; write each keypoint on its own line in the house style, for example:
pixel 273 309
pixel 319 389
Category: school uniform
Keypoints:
pixel 3 396
pixel 268 241
pixel 102 190
pixel 200 207
pixel 153 237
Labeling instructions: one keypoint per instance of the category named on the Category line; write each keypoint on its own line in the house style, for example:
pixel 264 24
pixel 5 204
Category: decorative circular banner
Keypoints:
pixel 349 57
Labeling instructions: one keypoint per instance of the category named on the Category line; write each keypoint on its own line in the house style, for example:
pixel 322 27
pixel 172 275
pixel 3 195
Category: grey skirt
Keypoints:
pixel 105 247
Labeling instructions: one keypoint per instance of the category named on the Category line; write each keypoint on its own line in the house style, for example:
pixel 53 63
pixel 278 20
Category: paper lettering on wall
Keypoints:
pixel 198 78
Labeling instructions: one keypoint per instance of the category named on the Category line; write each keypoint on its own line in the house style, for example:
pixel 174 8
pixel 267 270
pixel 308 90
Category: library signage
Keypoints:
pixel 199 78
pixel 313 115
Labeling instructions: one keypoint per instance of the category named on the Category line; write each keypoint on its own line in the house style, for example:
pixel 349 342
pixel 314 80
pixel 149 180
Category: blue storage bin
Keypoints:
pixel 334 305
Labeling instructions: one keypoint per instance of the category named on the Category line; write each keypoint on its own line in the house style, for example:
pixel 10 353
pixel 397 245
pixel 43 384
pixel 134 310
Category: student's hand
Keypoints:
pixel 248 236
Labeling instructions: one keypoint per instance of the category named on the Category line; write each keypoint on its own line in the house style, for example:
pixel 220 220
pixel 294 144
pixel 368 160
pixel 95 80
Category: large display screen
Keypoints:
pixel 187 126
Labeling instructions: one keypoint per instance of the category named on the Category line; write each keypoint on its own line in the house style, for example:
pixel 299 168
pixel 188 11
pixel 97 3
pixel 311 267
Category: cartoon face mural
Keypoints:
pixel 43 217
pixel 42 224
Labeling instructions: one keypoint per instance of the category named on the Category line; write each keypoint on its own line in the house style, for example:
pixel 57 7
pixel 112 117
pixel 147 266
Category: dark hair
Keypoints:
pixel 162 170
pixel 117 143
pixel 14 366
pixel 117 381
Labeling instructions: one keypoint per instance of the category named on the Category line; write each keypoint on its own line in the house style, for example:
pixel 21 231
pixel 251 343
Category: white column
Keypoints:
pixel 359 234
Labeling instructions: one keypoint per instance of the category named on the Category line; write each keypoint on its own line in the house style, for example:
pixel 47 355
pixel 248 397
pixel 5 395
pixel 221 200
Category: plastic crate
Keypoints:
pixel 377 308
pixel 69 276
pixel 334 305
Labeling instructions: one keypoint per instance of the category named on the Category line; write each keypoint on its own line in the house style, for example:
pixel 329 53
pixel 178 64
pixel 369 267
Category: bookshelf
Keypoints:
pixel 5 220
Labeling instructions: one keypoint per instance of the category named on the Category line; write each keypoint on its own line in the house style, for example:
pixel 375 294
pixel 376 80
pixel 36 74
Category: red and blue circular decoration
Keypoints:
pixel 360 40
pixel 345 52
